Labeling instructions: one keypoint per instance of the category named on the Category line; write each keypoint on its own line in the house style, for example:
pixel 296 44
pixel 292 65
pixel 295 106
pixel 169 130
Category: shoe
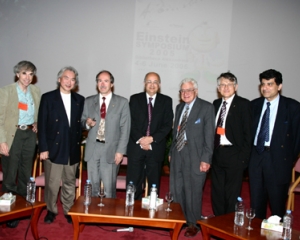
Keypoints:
pixel 49 217
pixel 12 223
pixel 69 219
pixel 191 231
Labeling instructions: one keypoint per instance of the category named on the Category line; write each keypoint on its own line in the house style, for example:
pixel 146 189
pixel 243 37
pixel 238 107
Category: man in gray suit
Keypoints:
pixel 107 118
pixel 191 152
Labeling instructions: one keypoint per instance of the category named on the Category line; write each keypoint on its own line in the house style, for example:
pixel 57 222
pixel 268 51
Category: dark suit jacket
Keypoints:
pixel 285 142
pixel 161 124
pixel 56 136
pixel 200 132
pixel 238 126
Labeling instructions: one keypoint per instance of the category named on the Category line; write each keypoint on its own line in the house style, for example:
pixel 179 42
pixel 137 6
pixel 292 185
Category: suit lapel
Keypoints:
pixel 61 107
pixel 96 106
pixel 112 104
pixel 74 109
pixel 280 118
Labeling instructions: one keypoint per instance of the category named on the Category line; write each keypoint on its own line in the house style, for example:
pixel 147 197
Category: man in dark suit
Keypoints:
pixel 107 118
pixel 147 143
pixel 276 133
pixel 191 152
pixel 232 145
pixel 59 141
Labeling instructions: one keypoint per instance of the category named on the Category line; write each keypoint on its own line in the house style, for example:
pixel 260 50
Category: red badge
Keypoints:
pixel 23 106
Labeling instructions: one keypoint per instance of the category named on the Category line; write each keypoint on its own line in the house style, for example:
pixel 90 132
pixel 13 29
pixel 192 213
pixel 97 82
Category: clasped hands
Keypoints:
pixel 145 142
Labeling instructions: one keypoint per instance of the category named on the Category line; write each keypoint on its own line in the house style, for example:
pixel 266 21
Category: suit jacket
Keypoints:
pixel 117 126
pixel 285 141
pixel 238 126
pixel 9 112
pixel 200 132
pixel 61 139
pixel 161 123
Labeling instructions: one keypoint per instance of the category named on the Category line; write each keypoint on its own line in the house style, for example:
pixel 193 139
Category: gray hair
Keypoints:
pixel 191 80
pixel 24 65
pixel 68 68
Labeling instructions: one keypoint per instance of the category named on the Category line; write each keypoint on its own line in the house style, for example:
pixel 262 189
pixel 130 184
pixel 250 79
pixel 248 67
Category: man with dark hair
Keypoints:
pixel 151 121
pixel 59 141
pixel 232 145
pixel 107 118
pixel 19 104
pixel 276 134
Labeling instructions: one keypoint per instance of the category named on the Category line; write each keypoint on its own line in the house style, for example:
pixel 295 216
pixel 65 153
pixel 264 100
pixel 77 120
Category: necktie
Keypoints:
pixel 103 109
pixel 263 135
pixel 149 115
pixel 101 129
pixel 180 136
pixel 220 124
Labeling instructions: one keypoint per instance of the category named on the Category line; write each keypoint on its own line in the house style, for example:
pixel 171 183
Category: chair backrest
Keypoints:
pixel 297 165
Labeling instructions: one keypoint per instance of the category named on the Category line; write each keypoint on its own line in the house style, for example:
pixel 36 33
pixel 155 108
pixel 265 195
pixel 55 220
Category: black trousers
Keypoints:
pixel 264 188
pixel 227 177
pixel 17 166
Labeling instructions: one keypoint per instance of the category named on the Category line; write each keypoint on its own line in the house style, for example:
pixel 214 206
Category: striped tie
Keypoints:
pixel 180 137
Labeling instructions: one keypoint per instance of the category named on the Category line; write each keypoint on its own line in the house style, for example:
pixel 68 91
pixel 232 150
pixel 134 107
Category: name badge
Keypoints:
pixel 23 106
pixel 221 131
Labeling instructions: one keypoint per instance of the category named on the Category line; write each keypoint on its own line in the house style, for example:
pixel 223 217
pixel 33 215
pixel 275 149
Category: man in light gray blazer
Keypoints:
pixel 107 118
pixel 191 152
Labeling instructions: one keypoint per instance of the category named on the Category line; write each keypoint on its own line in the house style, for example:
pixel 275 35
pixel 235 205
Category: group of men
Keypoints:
pixel 226 137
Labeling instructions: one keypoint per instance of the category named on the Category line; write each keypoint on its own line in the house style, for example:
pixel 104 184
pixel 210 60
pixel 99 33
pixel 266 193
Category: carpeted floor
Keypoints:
pixel 61 230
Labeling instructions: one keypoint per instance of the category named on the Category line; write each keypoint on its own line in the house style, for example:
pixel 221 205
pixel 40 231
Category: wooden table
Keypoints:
pixel 115 212
pixel 21 208
pixel 224 227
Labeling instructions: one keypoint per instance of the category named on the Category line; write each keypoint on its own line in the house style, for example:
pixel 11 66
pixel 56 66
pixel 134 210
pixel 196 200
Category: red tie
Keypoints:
pixel 103 109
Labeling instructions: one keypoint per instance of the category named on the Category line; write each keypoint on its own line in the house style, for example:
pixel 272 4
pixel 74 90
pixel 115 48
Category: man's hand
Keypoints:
pixel 146 141
pixel 204 167
pixel 44 155
pixel 169 158
pixel 90 122
pixel 34 129
pixel 4 149
pixel 118 158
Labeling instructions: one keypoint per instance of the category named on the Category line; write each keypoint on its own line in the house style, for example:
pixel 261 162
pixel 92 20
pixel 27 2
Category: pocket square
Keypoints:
pixel 198 121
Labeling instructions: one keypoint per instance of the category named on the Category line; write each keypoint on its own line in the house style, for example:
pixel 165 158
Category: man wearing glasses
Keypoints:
pixel 151 121
pixel 232 144
pixel 191 152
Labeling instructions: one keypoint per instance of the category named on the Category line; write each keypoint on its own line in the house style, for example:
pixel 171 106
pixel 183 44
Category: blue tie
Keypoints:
pixel 264 131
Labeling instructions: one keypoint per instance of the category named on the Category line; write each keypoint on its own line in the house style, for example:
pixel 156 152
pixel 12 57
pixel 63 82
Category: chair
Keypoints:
pixel 121 179
pixel 39 175
pixel 294 187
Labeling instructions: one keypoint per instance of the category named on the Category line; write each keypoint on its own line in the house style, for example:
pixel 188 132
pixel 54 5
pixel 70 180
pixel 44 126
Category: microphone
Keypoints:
pixel 130 229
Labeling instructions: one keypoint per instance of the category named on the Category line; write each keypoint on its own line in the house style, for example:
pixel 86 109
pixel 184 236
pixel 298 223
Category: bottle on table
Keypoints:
pixel 239 212
pixel 130 191
pixel 87 193
pixel 31 187
pixel 287 225
pixel 153 197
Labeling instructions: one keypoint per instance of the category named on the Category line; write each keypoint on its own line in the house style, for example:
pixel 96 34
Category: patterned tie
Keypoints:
pixel 101 129
pixel 103 109
pixel 220 124
pixel 180 137
pixel 150 108
pixel 263 135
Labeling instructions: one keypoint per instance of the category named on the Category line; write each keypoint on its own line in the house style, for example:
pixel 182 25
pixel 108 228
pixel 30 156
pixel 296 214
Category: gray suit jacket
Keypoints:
pixel 117 125
pixel 9 112
pixel 200 132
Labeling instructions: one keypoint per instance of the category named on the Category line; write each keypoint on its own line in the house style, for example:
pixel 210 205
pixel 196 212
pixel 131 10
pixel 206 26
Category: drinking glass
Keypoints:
pixel 250 214
pixel 169 199
pixel 101 194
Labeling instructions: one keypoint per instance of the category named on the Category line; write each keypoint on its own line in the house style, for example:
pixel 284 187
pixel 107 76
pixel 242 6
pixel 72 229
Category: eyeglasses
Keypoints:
pixel 154 82
pixel 229 85
pixel 186 90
